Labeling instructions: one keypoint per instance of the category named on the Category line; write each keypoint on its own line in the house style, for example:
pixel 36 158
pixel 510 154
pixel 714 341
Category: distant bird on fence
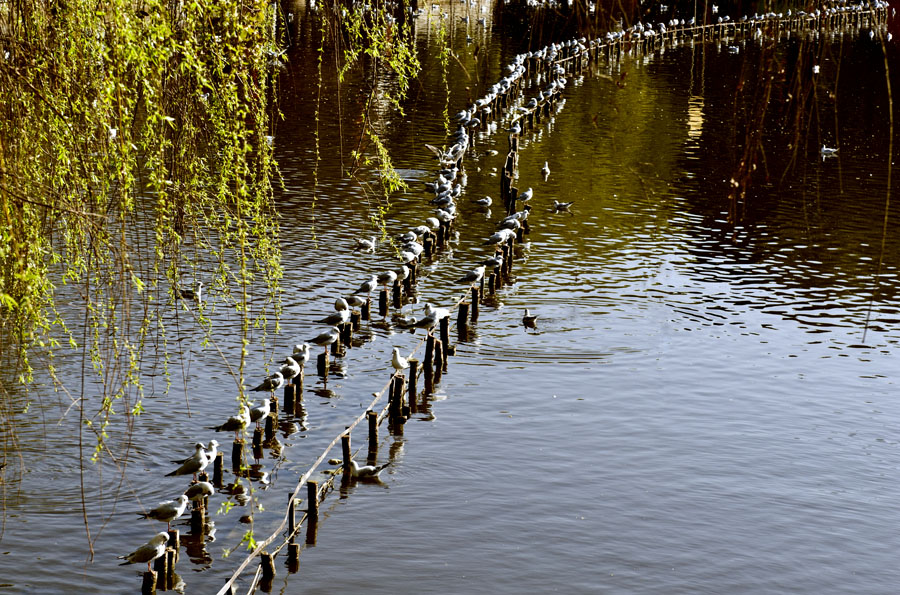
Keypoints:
pixel 365 245
pixel 398 361
pixel 529 321
pixel 366 471
pixel 193 464
pixel 235 423
pixel 148 552
pixel 473 276
pixel 195 293
pixel 260 411
pixel 272 383
pixel 167 511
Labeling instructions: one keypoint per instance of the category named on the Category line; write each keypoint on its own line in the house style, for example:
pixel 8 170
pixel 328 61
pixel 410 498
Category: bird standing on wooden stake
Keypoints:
pixel 235 423
pixel 167 511
pixel 529 320
pixel 199 491
pixel 148 552
pixel 398 361
pixel 260 411
pixel 193 464
pixel 272 383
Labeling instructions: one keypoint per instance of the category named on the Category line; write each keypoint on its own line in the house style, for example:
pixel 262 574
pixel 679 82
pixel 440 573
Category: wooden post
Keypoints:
pixel 174 541
pixel 492 283
pixel 372 418
pixel 428 244
pixel 413 378
pixel 292 515
pixel 148 586
pixel 438 360
pixel 336 349
pixel 397 293
pixel 257 438
pixel 355 317
pixel 312 499
pixel 270 426
pixel 267 561
pixel 476 297
pixel 345 449
pixel 322 364
pixel 428 365
pixel 237 454
pixel 159 567
pixel 445 339
pixel 462 321
pixel 441 232
pixel 382 302
pixel 293 561
pixel 366 308
pixel 273 404
pixel 170 567
pixel 397 386
pixel 289 391
pixel 218 466
pixel 346 329
pixel 197 518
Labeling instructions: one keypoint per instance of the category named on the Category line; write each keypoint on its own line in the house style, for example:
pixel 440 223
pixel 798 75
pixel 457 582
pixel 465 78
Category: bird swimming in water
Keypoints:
pixel 366 471
pixel 195 293
pixel 559 207
pixel 529 321
pixel 365 245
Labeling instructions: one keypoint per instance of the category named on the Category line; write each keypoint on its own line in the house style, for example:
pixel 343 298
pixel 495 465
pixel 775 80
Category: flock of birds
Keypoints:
pixel 446 188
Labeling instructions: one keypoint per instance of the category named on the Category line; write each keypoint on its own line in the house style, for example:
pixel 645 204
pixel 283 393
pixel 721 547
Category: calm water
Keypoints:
pixel 702 410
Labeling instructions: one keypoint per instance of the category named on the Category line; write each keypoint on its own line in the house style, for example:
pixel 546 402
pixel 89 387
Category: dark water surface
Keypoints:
pixel 702 409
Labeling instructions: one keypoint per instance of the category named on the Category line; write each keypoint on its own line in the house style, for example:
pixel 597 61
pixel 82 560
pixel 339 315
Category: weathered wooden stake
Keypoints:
pixel 428 244
pixel 174 541
pixel 476 297
pixel 462 321
pixel 346 329
pixel 438 359
pixel 292 515
pixel 492 283
pixel 271 419
pixel 411 383
pixel 322 364
pixel 273 405
pixel 197 519
pixel 397 293
pixel 218 466
pixel 372 418
pixel 413 275
pixel 289 392
pixel 237 454
pixel 428 365
pixel 445 339
pixel 337 349
pixel 170 567
pixel 148 586
pixel 293 561
pixel 267 561
pixel 366 309
pixel 441 236
pixel 257 438
pixel 355 317
pixel 397 386
pixel 160 566
pixel 312 499
pixel 382 302
pixel 345 449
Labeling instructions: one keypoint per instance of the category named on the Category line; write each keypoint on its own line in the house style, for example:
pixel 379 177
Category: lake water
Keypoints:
pixel 703 409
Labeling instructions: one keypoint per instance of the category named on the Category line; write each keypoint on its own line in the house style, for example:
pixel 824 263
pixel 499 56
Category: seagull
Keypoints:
pixel 509 223
pixel 200 490
pixel 235 423
pixel 526 195
pixel 260 411
pixel 520 215
pixel 562 206
pixel 272 383
pixel 300 355
pixel 493 262
pixel 148 552
pixel 194 294
pixel 387 278
pixel 339 317
pixel 366 471
pixel 341 304
pixel 193 464
pixel 545 171
pixel 827 152
pixel 210 451
pixel 484 202
pixel 402 272
pixel 167 511
pixel 399 362
pixel 290 368
pixel 409 236
pixel 365 245
pixel 473 276
pixel 354 301
pixel 368 286
pixel 499 237
pixel 529 320
pixel 326 338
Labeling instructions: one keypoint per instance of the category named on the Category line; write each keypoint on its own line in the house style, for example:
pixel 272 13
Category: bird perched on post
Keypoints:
pixel 398 361
pixel 235 423
pixel 326 338
pixel 197 492
pixel 473 276
pixel 272 383
pixel 545 171
pixel 167 511
pixel 260 411
pixel 529 320
pixel 148 552
pixel 193 464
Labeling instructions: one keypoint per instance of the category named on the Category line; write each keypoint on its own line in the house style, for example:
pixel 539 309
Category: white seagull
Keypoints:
pixel 200 490
pixel 193 464
pixel 167 511
pixel 272 383
pixel 235 423
pixel 366 471
pixel 365 245
pixel 398 361
pixel 473 276
pixel 326 338
pixel 260 411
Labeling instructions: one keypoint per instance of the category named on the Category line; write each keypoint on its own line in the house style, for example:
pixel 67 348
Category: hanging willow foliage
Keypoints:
pixel 130 131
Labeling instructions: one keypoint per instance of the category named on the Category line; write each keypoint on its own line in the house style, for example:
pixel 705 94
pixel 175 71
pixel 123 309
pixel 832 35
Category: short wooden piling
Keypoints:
pixel 337 348
pixel 170 567
pixel 428 244
pixel 174 541
pixel 293 560
pixel 292 515
pixel 160 567
pixel 270 426
pixel 438 359
pixel 273 405
pixel 218 468
pixel 462 321
pixel 267 561
pixel 396 402
pixel 345 449
pixel 441 233
pixel 366 309
pixel 413 274
pixel 428 365
pixel 237 454
pixel 257 438
pixel 346 329
pixel 492 283
pixel 312 499
pixel 197 519
pixel 289 392
pixel 476 297
pixel 148 585
pixel 445 339
pixel 411 383
pixel 355 317
pixel 322 364
pixel 382 302
pixel 397 293
pixel 372 418
pixel 312 529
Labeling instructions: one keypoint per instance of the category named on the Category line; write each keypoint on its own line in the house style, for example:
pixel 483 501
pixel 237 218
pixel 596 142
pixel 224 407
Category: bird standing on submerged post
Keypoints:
pixel 398 361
